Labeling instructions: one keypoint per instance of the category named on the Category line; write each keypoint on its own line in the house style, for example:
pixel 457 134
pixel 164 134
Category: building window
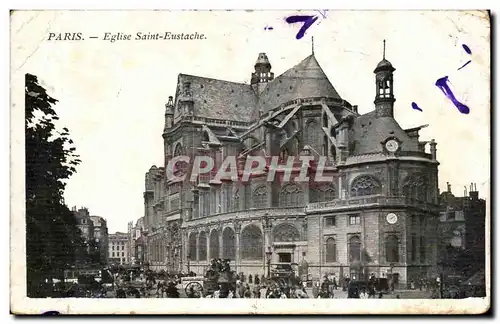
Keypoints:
pixel 192 246
pixel 259 197
pixel 392 248
pixel 311 135
pixel 123 254
pixel 331 250
pixel 330 221
pixel 422 249
pixel 286 233
pixel 204 203
pixel 251 243
pixel 354 249
pixel 291 196
pixel 354 220
pixel 413 247
pixel 214 244
pixel 365 186
pixel 228 190
pixel 324 192
pixel 113 254
pixel 202 247
pixel 228 244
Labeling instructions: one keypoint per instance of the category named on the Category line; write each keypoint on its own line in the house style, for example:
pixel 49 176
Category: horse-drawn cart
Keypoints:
pixel 215 279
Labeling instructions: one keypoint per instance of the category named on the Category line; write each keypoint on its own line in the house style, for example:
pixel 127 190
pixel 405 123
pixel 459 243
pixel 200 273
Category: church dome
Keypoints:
pixel 384 65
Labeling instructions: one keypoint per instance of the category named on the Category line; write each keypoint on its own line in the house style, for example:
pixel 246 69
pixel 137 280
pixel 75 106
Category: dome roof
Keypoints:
pixel 384 65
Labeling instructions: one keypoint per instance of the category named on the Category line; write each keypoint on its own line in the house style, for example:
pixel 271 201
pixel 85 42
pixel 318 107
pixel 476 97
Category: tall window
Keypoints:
pixel 202 247
pixel 291 196
pixel 413 247
pixel 251 243
pixel 204 203
pixel 365 186
pixel 330 221
pixel 354 248
pixel 192 246
pixel 214 244
pixel 416 187
pixel 259 197
pixel 392 248
pixel 422 249
pixel 323 192
pixel 331 250
pixel 311 135
pixel 228 192
pixel 196 205
pixel 228 243
pixel 285 233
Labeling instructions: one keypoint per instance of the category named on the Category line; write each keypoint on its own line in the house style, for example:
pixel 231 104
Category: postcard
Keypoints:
pixel 338 157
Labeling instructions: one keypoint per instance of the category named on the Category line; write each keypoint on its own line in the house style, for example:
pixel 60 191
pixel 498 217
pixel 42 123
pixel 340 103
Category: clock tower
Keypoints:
pixel 384 85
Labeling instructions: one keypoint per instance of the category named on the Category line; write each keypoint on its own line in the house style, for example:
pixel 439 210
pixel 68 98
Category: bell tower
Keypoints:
pixel 384 97
pixel 262 74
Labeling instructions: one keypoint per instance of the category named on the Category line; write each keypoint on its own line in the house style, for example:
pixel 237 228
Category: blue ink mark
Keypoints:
pixel 51 313
pixel 464 65
pixel 268 28
pixel 415 106
pixel 307 20
pixel 442 84
pixel 467 49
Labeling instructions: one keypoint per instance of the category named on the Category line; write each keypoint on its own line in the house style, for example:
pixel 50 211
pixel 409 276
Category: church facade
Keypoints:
pixel 379 214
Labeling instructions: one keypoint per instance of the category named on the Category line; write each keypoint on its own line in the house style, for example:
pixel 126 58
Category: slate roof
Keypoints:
pixel 304 80
pixel 368 133
pixel 221 99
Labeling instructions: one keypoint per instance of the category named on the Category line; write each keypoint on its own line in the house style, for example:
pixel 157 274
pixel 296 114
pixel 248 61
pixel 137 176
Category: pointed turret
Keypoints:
pixel 384 97
pixel 262 74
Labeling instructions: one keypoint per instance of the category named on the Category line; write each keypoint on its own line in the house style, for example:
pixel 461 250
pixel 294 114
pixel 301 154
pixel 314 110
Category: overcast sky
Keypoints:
pixel 112 95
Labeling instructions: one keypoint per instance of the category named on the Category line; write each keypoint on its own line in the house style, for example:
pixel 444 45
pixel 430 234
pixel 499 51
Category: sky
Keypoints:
pixel 112 95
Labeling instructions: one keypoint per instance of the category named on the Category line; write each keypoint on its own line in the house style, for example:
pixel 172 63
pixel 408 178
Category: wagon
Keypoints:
pixel 202 286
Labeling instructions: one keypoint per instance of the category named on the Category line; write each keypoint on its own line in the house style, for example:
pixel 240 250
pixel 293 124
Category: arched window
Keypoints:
pixel 392 248
pixel 291 196
pixel 228 244
pixel 325 120
pixel 331 250
pixel 180 166
pixel 284 155
pixel 311 135
pixel 365 186
pixel 251 243
pixel 178 150
pixel 415 187
pixel 192 246
pixel 325 145
pixel 259 197
pixel 214 244
pixel 354 248
pixel 323 192
pixel 286 233
pixel 202 247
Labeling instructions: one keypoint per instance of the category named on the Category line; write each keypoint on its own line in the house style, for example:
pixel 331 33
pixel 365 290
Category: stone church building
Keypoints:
pixel 378 215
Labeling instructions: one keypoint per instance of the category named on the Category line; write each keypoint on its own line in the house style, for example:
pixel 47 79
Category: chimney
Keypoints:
pixel 448 186
pixel 473 193
pixel 355 108
pixel 433 145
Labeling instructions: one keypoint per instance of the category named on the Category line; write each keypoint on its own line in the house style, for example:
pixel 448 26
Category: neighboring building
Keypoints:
pixel 134 233
pixel 379 214
pixel 86 226
pixel 118 253
pixel 101 237
pixel 462 225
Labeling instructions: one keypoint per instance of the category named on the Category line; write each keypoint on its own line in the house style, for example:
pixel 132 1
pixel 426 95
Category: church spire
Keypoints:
pixel 384 86
pixel 383 57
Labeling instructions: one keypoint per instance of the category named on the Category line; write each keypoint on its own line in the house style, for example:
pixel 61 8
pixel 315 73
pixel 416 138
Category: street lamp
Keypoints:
pixel 269 254
pixel 188 265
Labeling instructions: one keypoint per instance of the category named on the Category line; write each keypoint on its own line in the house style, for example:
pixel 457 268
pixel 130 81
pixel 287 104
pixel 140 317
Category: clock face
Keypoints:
pixel 392 145
pixel 392 218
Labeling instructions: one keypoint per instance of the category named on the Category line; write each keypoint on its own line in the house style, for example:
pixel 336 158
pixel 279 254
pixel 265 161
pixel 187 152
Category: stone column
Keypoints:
pixel 220 228
pixel 208 245
pixel 237 230
pixel 197 256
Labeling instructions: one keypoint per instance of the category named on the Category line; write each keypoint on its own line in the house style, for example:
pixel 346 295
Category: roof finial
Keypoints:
pixel 312 44
pixel 384 49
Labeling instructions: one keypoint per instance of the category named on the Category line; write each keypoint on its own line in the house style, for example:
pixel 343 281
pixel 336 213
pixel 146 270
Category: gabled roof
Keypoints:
pixel 221 99
pixel 304 80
